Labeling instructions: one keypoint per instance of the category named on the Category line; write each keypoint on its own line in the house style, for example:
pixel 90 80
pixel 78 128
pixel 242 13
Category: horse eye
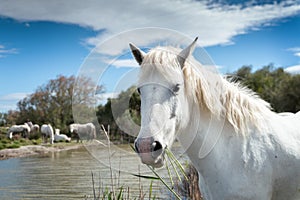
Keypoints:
pixel 176 88
pixel 138 90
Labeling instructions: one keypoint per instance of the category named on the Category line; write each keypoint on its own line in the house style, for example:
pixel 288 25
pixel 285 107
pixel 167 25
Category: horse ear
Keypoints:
pixel 185 53
pixel 137 53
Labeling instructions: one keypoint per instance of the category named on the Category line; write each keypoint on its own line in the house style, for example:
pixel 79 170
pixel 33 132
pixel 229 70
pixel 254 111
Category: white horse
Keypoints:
pixel 81 131
pixel 60 137
pixel 241 149
pixel 34 128
pixel 24 129
pixel 47 131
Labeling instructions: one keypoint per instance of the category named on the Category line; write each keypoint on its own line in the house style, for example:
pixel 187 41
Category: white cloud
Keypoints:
pixel 5 51
pixel 13 96
pixel 295 50
pixel 293 69
pixel 6 107
pixel 214 24
pixel 105 96
pixel 109 95
pixel 9 101
pixel 122 63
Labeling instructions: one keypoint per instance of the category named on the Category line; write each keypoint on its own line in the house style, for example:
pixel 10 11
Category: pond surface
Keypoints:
pixel 68 174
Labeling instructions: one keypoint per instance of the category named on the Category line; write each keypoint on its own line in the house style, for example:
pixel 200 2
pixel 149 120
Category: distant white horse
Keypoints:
pixel 47 131
pixel 24 129
pixel 60 137
pixel 82 131
pixel 33 127
pixel 241 149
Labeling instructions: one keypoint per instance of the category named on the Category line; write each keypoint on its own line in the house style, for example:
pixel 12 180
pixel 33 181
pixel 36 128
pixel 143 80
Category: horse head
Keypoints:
pixel 73 128
pixel 57 131
pixel 163 103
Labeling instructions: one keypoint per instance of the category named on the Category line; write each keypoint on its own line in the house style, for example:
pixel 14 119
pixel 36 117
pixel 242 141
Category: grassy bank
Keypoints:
pixel 18 141
pixel 6 143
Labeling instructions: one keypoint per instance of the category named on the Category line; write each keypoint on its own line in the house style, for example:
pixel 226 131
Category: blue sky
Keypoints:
pixel 42 39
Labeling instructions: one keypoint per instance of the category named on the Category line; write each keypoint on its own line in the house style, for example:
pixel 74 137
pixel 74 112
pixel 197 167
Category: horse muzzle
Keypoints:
pixel 150 151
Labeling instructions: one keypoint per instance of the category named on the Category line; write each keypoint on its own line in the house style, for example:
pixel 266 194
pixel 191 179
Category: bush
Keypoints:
pixel 13 146
pixel 36 142
pixel 22 140
pixel 2 146
pixel 5 141
pixel 34 136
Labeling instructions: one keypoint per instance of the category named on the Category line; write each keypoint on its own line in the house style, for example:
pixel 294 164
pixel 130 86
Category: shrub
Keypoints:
pixel 34 136
pixel 13 146
pixel 2 146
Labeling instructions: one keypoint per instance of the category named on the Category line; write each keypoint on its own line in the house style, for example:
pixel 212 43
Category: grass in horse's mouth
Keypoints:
pixel 173 166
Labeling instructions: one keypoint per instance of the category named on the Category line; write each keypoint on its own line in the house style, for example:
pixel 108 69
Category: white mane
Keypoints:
pixel 239 105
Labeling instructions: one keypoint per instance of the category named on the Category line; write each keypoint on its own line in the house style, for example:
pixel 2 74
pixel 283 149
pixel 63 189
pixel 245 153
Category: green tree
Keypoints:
pixel 243 73
pixel 126 104
pixel 288 100
pixel 274 85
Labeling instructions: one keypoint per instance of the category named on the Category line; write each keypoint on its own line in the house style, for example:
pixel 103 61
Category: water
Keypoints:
pixel 68 174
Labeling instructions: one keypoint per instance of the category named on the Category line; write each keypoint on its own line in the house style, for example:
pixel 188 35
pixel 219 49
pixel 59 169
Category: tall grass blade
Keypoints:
pixel 169 173
pixel 120 194
pixel 171 155
pixel 109 159
pixel 174 167
pixel 145 177
pixel 94 192
pixel 163 182
pixel 150 190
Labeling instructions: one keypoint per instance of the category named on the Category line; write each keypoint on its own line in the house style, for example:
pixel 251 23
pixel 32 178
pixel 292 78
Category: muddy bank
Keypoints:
pixel 31 150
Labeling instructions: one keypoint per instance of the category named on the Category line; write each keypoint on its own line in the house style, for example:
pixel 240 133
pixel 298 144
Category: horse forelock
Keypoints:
pixel 162 60
pixel 210 91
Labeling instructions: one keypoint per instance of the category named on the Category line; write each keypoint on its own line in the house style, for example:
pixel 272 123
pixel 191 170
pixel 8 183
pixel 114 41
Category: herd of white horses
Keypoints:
pixel 80 131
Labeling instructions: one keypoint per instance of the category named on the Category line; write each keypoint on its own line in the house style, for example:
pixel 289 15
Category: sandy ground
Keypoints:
pixel 31 150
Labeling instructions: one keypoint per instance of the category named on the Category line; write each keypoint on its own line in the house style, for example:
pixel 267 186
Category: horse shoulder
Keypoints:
pixel 287 128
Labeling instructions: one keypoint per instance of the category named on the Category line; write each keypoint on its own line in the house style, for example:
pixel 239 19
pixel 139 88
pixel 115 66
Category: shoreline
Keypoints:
pixel 32 150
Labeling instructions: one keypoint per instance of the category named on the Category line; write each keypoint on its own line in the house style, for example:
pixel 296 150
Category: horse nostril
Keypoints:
pixel 156 146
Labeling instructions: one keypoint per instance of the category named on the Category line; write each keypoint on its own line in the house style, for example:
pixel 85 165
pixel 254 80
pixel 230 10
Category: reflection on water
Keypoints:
pixel 67 175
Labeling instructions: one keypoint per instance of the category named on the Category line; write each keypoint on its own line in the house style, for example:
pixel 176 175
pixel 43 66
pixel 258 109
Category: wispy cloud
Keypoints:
pixel 6 51
pixel 214 23
pixel 9 101
pixel 109 95
pixel 122 63
pixel 295 50
pixel 6 107
pixel 105 96
pixel 13 96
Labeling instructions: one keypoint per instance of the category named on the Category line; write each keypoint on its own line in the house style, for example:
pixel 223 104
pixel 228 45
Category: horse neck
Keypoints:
pixel 203 134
